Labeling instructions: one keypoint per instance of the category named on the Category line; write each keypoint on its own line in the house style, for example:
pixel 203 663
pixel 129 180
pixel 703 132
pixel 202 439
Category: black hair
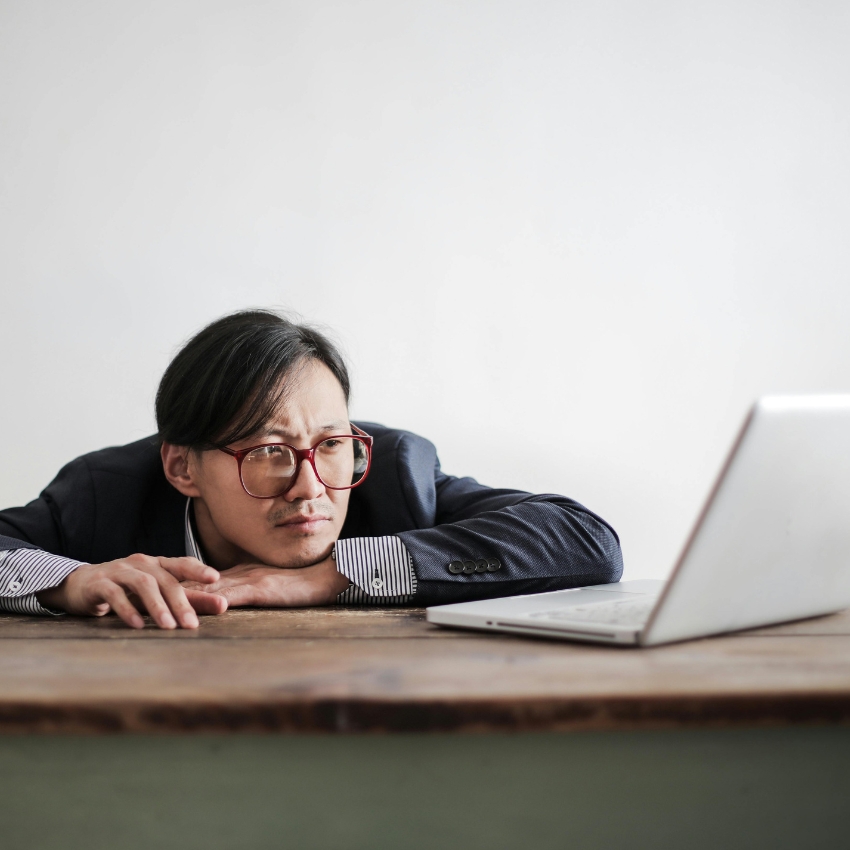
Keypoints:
pixel 228 380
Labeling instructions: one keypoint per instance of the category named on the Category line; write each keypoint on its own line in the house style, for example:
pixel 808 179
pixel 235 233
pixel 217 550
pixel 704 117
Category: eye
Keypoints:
pixel 268 452
pixel 331 445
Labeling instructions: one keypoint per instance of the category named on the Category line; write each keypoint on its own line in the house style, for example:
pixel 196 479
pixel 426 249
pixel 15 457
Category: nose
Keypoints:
pixel 307 486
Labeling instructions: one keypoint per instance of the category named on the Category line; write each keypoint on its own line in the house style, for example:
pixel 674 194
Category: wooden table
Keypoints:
pixel 344 670
pixel 685 731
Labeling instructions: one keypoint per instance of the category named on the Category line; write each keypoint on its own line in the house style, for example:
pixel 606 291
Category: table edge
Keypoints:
pixel 358 715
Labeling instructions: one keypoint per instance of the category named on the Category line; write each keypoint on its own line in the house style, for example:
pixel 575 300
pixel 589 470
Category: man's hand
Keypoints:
pixel 277 587
pixel 153 583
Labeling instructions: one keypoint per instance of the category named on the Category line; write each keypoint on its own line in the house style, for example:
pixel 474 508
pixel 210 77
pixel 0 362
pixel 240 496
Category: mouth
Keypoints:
pixel 304 523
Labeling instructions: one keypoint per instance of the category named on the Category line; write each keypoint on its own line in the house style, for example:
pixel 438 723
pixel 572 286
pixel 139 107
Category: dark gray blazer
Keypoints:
pixel 117 501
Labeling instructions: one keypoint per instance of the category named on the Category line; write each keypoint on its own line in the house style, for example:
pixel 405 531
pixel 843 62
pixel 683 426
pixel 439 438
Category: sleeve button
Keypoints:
pixel 468 567
pixel 15 586
pixel 493 564
pixel 456 567
pixel 377 583
pixel 481 566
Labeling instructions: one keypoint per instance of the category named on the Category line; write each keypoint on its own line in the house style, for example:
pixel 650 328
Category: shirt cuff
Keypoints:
pixel 380 570
pixel 24 572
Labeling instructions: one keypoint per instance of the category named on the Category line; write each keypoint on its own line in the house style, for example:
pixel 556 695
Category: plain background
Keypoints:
pixel 568 242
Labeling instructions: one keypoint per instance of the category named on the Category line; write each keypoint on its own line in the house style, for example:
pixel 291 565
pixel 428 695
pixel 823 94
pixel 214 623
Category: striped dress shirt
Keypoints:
pixel 23 572
pixel 380 570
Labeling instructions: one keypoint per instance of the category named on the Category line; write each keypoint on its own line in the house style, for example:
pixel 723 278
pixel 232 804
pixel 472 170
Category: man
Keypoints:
pixel 258 490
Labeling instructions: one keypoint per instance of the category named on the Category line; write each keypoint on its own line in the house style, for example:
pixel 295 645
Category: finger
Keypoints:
pixel 206 603
pixel 120 604
pixel 181 608
pixel 216 586
pixel 146 587
pixel 189 569
pixel 173 594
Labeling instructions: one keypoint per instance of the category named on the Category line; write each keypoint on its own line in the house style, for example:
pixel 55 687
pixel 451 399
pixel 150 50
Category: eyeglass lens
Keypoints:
pixel 340 462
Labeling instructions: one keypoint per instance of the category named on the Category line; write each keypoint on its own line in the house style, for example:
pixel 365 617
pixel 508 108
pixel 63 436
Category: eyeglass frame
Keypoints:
pixel 300 456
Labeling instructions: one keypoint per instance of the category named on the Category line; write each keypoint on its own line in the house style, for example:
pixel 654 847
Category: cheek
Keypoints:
pixel 223 493
pixel 339 499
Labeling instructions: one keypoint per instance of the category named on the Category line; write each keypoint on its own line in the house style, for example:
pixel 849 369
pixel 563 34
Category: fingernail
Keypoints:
pixel 137 622
pixel 190 620
pixel 168 621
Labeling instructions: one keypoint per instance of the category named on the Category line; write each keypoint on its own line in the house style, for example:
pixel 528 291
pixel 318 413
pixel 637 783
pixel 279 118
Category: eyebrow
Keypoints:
pixel 325 429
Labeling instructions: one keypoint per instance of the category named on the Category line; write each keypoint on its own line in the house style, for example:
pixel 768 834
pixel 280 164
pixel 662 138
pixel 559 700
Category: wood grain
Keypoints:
pixel 317 623
pixel 389 670
pixel 244 624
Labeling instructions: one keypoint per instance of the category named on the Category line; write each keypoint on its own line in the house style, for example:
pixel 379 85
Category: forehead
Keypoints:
pixel 314 402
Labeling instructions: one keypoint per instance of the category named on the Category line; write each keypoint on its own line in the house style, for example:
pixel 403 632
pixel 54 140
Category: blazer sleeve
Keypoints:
pixel 65 505
pixel 539 542
pixel 10 543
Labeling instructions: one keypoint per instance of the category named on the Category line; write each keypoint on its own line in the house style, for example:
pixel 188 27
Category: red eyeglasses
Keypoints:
pixel 270 470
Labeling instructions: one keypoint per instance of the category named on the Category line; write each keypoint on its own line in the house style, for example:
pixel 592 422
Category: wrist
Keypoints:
pixel 52 597
pixel 340 583
pixel 336 580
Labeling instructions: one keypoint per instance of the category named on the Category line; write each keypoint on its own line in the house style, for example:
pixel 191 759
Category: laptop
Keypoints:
pixel 772 544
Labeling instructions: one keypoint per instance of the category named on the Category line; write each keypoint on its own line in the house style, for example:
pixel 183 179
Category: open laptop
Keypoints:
pixel 772 544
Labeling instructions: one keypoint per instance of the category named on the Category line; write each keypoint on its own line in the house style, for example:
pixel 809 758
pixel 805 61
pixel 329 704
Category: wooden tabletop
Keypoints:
pixel 348 670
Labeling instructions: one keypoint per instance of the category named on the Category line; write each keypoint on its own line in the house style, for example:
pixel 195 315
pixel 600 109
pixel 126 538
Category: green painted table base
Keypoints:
pixel 729 788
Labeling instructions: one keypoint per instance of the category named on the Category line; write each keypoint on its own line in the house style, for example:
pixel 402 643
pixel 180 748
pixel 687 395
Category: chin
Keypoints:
pixel 303 557
pixel 285 550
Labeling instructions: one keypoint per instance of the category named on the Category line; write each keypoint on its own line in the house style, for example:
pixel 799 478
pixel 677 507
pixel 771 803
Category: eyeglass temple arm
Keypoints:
pixel 361 433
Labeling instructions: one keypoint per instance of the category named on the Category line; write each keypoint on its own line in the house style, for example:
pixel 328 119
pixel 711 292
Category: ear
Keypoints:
pixel 175 465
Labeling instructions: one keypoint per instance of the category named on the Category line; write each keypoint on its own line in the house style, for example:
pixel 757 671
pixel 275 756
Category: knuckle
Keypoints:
pixel 103 584
pixel 175 592
pixel 165 584
pixel 113 595
pixel 146 581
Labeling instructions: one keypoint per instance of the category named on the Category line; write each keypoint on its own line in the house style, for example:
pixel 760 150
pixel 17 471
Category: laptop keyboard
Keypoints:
pixel 621 612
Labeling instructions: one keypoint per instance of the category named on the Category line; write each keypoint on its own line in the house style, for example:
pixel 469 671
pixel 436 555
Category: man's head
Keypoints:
pixel 253 378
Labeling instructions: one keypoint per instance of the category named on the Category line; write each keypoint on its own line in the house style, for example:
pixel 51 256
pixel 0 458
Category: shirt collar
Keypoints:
pixel 193 550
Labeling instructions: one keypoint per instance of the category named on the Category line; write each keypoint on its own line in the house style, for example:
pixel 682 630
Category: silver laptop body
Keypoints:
pixel 771 544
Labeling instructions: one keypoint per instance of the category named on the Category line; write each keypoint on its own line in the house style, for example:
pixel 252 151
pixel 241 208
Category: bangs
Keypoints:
pixel 265 401
pixel 234 376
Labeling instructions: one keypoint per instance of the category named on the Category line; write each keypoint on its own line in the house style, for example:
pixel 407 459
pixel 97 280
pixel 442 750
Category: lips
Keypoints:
pixel 304 522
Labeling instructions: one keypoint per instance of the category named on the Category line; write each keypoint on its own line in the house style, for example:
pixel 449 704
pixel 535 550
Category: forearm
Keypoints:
pixel 541 543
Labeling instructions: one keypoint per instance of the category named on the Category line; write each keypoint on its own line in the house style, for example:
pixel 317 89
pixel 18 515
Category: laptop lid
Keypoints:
pixel 773 540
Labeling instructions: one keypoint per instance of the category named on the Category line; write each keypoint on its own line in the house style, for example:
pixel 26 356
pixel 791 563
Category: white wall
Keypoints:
pixel 596 230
